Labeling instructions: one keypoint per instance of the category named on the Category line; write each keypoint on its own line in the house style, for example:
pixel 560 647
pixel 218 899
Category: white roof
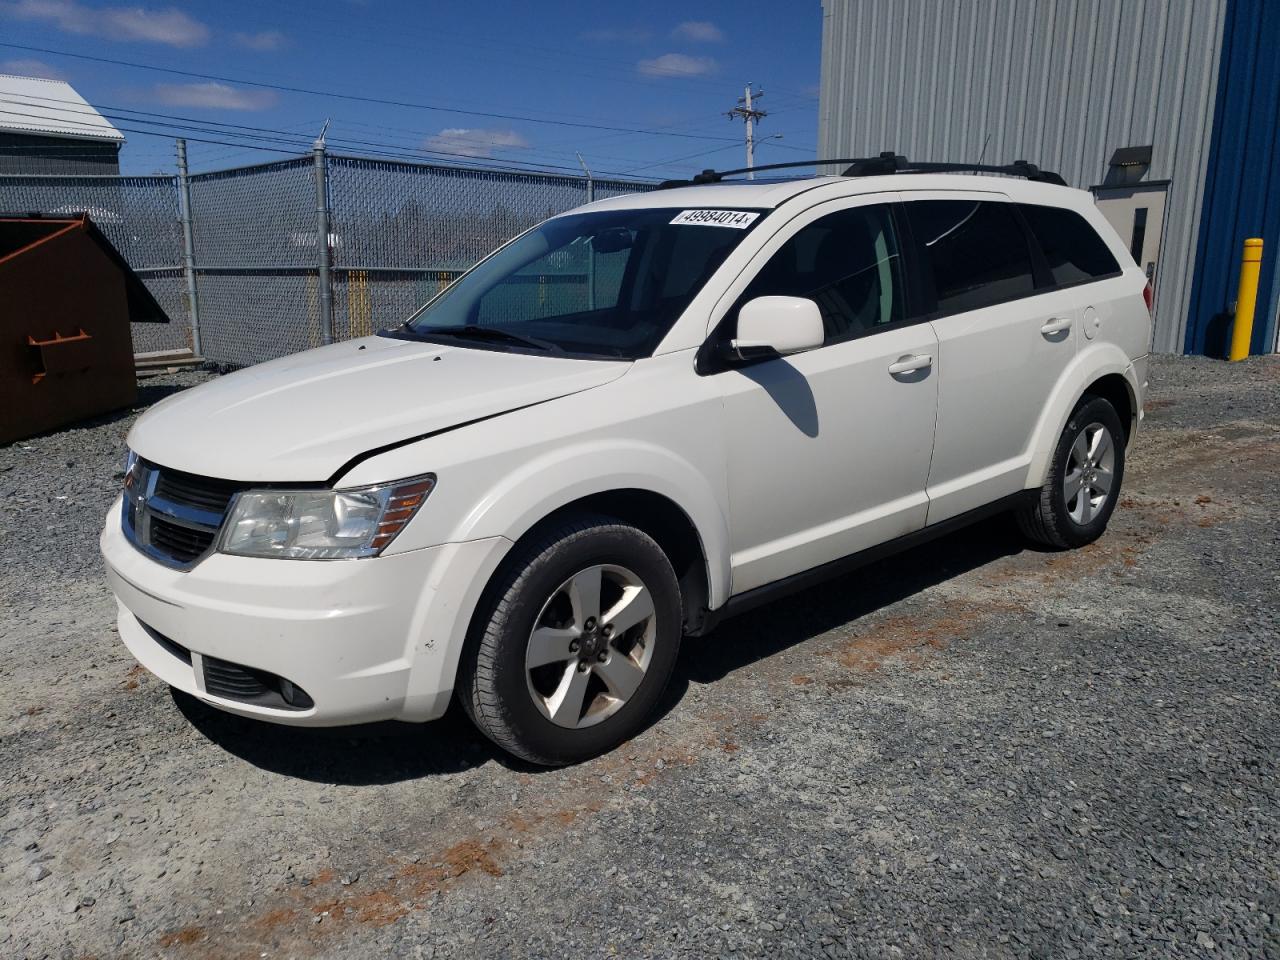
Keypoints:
pixel 738 193
pixel 52 108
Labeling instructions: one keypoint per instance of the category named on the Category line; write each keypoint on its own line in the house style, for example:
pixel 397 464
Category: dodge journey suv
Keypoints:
pixel 628 422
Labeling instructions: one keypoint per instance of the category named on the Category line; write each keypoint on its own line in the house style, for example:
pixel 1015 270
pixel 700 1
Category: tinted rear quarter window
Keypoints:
pixel 1072 248
pixel 976 250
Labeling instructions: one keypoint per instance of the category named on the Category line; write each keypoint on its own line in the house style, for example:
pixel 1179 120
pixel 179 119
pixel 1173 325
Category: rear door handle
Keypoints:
pixel 910 364
pixel 1056 325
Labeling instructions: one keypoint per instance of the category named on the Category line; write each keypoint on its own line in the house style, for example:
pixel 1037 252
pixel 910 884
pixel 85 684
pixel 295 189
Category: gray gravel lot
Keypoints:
pixel 974 749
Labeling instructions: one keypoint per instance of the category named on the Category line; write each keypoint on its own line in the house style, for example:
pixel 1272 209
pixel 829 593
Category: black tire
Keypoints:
pixel 1047 519
pixel 493 685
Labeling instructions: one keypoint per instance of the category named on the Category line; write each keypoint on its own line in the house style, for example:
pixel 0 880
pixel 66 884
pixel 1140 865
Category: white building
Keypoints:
pixel 48 128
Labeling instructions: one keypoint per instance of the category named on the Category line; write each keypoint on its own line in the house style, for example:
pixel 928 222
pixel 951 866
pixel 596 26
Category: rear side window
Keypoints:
pixel 1074 251
pixel 976 250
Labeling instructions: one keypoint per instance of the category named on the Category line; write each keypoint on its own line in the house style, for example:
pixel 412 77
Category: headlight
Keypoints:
pixel 322 524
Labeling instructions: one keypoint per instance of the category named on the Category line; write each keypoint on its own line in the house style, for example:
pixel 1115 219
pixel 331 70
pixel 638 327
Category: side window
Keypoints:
pixel 1074 251
pixel 848 264
pixel 976 250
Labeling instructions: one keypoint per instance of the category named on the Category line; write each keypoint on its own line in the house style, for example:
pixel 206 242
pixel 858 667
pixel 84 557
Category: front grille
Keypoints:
pixel 174 517
pixel 183 544
pixel 203 493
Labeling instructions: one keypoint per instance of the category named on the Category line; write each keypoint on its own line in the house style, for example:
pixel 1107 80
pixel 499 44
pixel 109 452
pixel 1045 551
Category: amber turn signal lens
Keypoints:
pixel 401 506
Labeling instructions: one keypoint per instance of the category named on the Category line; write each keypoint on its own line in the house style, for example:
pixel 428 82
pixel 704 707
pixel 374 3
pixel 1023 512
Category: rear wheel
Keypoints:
pixel 581 635
pixel 1080 492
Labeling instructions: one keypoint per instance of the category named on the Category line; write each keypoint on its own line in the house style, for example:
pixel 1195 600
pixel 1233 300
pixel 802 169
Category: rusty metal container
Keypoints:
pixel 67 298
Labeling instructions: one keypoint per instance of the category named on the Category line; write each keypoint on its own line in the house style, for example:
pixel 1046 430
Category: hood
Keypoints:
pixel 300 418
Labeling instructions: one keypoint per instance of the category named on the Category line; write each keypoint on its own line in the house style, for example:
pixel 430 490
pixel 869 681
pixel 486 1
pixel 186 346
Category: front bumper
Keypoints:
pixel 372 639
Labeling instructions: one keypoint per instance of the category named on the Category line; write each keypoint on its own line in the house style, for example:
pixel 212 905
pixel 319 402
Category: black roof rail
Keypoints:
pixel 885 164
pixel 715 176
pixel 889 162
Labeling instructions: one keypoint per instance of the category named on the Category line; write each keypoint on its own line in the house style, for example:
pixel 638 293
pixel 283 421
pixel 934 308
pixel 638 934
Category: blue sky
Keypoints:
pixel 669 68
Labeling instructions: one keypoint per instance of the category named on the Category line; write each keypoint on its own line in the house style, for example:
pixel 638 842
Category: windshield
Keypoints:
pixel 606 284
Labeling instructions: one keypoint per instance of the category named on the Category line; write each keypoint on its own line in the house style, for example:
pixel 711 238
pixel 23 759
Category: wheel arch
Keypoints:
pixel 1117 391
pixel 1104 370
pixel 659 517
pixel 642 482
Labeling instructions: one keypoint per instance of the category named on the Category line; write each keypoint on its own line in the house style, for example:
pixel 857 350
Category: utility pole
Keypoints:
pixel 745 110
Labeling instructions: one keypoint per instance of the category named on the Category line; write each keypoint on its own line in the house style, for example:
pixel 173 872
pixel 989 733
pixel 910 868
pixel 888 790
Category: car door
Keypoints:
pixel 828 450
pixel 1002 344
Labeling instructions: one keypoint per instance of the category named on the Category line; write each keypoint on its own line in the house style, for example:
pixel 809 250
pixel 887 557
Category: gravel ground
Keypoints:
pixel 974 749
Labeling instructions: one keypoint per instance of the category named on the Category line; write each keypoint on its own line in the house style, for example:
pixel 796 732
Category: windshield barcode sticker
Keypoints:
pixel 737 219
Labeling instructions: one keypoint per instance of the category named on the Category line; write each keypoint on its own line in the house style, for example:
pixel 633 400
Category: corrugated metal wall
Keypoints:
pixel 1061 83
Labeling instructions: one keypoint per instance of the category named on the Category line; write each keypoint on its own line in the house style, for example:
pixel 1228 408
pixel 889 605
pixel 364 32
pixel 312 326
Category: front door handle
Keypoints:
pixel 1056 325
pixel 910 364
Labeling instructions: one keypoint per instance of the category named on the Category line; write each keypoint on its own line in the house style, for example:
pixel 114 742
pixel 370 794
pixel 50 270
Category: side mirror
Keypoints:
pixel 777 325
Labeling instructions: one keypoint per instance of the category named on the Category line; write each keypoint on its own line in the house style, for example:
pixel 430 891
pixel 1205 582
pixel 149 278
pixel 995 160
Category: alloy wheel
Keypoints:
pixel 1090 473
pixel 590 646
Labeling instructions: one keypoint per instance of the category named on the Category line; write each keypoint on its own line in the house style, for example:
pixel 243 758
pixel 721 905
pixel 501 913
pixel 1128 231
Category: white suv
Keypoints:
pixel 630 421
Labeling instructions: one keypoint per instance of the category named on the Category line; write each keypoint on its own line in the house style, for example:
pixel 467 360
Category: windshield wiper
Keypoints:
pixel 472 331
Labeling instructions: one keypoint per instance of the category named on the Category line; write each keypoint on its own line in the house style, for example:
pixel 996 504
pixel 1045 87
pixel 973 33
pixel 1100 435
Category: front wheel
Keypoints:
pixel 583 628
pixel 1084 479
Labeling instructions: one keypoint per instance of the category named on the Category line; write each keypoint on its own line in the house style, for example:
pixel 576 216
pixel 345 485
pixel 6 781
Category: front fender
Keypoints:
pixel 540 486
pixel 1090 364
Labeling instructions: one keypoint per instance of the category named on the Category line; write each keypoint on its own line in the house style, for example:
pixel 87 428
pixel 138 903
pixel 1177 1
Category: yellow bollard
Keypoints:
pixel 1246 299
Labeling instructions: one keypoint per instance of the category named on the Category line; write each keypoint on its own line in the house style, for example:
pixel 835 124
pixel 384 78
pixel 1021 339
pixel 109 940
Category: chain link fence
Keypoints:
pixel 398 234
pixel 139 215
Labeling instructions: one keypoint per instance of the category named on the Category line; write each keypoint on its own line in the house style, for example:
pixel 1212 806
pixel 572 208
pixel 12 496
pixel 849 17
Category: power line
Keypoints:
pixel 688 156
pixel 191 123
pixel 409 104
pixel 270 139
pixel 113 112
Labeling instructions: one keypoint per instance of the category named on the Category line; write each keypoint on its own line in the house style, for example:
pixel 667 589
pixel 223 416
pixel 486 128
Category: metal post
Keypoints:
pixel 322 242
pixel 1246 299
pixel 188 245
pixel 591 255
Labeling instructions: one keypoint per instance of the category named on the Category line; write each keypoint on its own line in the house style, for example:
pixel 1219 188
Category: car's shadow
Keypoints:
pixel 369 754
pixel 772 628
pixel 394 752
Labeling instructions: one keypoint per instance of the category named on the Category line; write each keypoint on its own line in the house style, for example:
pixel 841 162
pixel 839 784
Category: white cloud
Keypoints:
pixel 677 65
pixel 217 96
pixel 474 142
pixel 261 42
pixel 31 68
pixel 169 26
pixel 698 31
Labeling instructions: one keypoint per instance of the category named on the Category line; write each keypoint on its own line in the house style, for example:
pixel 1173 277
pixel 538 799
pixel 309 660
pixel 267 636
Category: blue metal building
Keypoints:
pixel 1242 180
